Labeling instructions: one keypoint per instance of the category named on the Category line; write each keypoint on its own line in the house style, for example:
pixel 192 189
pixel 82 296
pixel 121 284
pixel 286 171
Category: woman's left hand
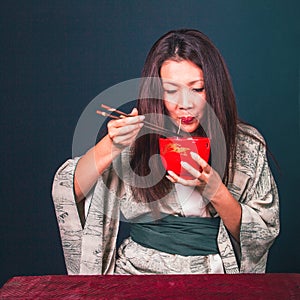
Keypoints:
pixel 207 180
pixel 212 188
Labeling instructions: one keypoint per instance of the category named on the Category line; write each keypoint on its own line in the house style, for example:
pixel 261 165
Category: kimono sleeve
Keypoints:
pixel 67 215
pixel 260 217
pixel 89 248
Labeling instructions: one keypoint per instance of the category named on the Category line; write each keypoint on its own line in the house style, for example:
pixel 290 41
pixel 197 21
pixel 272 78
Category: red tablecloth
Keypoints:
pixel 240 286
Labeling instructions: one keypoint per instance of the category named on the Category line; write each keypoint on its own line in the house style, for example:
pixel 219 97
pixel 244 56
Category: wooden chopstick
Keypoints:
pixel 162 131
pixel 111 109
pixel 105 114
pixel 146 124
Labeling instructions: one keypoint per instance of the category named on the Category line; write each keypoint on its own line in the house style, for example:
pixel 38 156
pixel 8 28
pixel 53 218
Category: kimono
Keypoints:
pixel 90 247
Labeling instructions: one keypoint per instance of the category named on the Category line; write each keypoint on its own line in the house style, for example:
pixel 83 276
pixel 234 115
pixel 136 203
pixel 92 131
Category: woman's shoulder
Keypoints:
pixel 249 135
pixel 250 149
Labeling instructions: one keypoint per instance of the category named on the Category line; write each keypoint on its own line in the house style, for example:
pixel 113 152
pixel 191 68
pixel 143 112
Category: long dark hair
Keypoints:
pixel 192 45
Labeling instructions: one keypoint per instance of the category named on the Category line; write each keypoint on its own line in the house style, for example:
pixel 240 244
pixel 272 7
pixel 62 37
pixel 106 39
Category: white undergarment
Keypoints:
pixel 191 201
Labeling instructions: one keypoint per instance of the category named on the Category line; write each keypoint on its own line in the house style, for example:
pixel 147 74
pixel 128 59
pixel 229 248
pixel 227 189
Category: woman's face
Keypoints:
pixel 184 93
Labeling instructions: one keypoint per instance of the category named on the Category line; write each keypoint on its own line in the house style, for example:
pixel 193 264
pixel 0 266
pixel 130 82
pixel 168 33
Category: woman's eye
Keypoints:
pixel 198 90
pixel 170 92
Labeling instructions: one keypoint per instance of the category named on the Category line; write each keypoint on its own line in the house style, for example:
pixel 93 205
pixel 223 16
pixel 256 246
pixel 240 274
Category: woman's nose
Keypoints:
pixel 185 100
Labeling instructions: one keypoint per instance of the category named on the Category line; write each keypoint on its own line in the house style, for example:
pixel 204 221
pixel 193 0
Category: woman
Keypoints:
pixel 228 211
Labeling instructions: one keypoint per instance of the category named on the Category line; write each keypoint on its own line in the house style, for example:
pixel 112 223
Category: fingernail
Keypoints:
pixel 195 155
pixel 184 164
pixel 142 118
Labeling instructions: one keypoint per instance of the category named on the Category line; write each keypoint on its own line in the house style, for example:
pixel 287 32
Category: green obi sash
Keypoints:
pixel 187 236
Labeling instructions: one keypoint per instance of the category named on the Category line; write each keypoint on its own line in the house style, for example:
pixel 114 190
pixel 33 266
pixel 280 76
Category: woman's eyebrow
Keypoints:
pixel 195 81
pixel 170 82
pixel 178 84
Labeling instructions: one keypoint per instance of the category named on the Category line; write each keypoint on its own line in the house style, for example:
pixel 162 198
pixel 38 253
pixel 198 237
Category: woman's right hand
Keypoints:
pixel 123 132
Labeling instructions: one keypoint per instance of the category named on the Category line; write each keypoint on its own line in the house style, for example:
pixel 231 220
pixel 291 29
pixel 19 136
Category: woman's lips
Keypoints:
pixel 187 120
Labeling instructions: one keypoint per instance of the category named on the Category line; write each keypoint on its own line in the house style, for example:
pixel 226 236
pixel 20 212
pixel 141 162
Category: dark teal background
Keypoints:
pixel 56 56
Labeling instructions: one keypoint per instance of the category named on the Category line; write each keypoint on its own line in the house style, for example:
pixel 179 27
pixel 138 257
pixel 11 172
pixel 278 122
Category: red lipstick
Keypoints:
pixel 187 120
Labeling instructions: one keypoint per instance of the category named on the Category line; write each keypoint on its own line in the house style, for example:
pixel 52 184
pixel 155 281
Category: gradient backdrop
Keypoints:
pixel 56 56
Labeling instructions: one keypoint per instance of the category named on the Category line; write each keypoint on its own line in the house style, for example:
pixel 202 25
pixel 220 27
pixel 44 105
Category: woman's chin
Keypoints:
pixel 189 128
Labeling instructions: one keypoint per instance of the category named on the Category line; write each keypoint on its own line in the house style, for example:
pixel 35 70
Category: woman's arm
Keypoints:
pixel 91 166
pixel 121 133
pixel 229 209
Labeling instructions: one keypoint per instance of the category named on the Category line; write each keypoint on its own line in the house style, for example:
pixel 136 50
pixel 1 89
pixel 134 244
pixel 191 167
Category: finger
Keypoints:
pixel 128 129
pixel 127 121
pixel 171 178
pixel 134 112
pixel 202 163
pixel 115 128
pixel 195 173
pixel 177 179
pixel 126 132
pixel 126 139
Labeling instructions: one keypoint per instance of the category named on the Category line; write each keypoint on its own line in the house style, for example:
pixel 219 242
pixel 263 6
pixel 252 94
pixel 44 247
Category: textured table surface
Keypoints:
pixel 240 286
